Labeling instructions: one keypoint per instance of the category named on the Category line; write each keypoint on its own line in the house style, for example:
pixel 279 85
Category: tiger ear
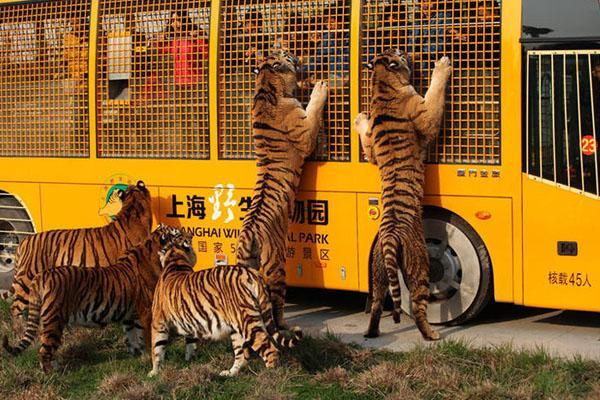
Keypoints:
pixel 369 65
pixel 120 193
pixel 141 184
pixel 186 245
pixel 163 240
pixel 256 71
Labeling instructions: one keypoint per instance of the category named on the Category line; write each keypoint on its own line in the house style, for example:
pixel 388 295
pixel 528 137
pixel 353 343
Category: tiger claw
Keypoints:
pixel 444 64
pixel 361 123
pixel 433 336
pixel 320 91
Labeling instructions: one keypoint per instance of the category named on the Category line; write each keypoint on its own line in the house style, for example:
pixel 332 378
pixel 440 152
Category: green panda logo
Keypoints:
pixel 110 200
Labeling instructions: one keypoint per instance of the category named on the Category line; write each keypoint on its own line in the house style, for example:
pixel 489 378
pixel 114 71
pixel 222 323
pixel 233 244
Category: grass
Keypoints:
pixel 94 364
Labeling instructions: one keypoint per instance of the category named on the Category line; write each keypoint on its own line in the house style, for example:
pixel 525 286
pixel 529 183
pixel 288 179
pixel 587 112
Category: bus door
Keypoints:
pixel 561 184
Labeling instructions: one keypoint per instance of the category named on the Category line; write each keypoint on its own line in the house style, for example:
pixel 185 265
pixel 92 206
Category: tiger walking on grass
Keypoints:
pixel 284 136
pixel 395 137
pixel 95 297
pixel 213 304
pixel 89 247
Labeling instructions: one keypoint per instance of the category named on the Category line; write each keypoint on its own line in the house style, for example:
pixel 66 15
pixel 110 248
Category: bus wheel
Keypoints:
pixel 15 225
pixel 460 272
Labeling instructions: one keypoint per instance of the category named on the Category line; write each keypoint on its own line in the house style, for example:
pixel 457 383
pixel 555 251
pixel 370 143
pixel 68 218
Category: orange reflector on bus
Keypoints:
pixel 483 215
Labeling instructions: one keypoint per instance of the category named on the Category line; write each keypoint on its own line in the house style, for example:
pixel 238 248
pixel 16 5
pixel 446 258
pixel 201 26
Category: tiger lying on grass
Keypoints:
pixel 212 304
pixel 95 297
pixel 395 138
pixel 89 247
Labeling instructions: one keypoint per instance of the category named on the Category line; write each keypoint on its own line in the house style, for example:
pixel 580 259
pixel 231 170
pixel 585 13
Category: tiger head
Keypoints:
pixel 280 70
pixel 166 234
pixel 161 237
pixel 393 66
pixel 178 249
pixel 135 197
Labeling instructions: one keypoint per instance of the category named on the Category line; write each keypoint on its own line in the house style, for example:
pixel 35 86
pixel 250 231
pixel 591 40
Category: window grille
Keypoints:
pixel 469 33
pixel 152 79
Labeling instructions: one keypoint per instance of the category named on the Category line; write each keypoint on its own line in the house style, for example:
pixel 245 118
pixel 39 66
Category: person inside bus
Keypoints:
pixel 390 23
pixel 75 57
pixel 254 42
pixel 596 72
pixel 5 50
pixel 74 53
pixel 479 66
pixel 244 45
pixel 188 49
pixel 393 24
pixel 332 55
pixel 294 36
pixel 433 30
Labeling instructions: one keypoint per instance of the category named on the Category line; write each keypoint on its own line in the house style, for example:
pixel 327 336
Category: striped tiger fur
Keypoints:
pixel 94 297
pixel 284 136
pixel 395 138
pixel 212 304
pixel 90 247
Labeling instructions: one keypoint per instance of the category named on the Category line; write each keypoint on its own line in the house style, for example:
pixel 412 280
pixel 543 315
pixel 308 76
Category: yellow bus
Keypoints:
pixel 96 94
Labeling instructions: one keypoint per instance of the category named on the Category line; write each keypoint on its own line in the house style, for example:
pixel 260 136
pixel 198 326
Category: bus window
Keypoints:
pixel 43 79
pixel 152 79
pixel 469 33
pixel 318 33
pixel 563 115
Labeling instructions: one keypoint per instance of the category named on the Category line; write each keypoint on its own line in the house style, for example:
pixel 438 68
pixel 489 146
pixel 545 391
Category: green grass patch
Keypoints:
pixel 94 364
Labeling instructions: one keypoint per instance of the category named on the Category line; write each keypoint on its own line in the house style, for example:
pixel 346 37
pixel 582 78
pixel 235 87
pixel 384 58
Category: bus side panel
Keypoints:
pixel 321 240
pixel 495 232
pixel 368 215
pixel 29 194
pixel 324 244
pixel 212 215
pixel 72 206
pixel 553 221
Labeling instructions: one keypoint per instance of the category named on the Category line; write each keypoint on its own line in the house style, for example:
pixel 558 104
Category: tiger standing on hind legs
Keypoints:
pixel 395 138
pixel 284 136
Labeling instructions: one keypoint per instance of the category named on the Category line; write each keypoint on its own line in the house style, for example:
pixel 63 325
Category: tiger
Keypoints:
pixel 284 135
pixel 212 304
pixel 94 297
pixel 90 247
pixel 395 137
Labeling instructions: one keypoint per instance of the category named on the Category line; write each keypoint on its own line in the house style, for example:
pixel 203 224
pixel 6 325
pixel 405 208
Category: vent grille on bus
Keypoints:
pixel 15 225
pixel 152 80
pixel 318 33
pixel 469 33
pixel 43 79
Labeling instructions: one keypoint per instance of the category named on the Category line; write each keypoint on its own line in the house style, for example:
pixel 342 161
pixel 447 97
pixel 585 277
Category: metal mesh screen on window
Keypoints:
pixel 43 79
pixel 152 79
pixel 318 33
pixel 563 118
pixel 469 33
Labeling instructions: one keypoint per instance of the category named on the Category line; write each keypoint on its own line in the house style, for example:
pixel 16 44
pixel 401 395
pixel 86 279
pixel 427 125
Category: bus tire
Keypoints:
pixel 14 217
pixel 460 275
pixel 460 269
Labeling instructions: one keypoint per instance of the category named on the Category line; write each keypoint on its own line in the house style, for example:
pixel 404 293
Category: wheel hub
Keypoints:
pixel 444 270
pixel 436 270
